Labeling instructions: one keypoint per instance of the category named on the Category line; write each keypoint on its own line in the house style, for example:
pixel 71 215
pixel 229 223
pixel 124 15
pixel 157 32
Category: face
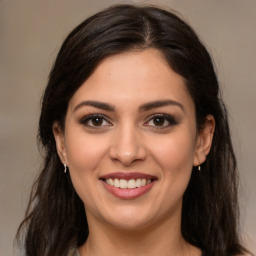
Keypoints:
pixel 130 141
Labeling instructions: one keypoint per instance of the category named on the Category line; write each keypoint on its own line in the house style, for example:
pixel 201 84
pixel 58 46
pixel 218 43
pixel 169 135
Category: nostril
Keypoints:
pixel 127 154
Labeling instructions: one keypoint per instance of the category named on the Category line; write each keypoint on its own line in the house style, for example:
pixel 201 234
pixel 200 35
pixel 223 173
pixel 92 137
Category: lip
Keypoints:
pixel 128 176
pixel 127 193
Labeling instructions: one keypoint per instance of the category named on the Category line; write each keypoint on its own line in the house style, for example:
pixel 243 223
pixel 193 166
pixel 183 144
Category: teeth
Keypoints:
pixel 116 183
pixel 131 183
pixel 138 183
pixel 111 182
pixel 123 183
pixel 148 182
pixel 128 183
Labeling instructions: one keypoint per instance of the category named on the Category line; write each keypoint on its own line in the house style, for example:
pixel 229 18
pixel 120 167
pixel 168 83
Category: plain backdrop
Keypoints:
pixel 31 32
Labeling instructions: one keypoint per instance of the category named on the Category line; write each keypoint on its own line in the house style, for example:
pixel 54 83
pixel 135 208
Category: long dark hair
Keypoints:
pixel 55 219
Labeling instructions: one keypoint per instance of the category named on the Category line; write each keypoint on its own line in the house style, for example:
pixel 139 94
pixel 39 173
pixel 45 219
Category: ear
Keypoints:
pixel 204 140
pixel 60 142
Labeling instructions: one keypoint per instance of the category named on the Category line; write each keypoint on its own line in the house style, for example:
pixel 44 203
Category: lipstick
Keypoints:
pixel 128 185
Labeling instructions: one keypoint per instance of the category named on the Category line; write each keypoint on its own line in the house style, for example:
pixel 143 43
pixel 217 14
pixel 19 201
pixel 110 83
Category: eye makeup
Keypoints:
pixel 161 121
pixel 95 121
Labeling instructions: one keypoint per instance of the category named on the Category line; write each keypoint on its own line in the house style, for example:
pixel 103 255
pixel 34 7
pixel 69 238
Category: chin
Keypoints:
pixel 131 219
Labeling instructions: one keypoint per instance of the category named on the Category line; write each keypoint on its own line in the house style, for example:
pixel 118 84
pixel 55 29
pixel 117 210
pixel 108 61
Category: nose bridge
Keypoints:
pixel 127 145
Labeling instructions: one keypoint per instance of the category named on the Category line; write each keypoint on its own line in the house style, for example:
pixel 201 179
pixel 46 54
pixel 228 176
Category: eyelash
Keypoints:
pixel 163 117
pixel 87 121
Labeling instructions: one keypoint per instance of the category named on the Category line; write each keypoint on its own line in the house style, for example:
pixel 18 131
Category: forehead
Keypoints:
pixel 133 78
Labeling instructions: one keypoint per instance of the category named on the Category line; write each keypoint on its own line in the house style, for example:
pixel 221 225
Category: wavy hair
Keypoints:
pixel 55 220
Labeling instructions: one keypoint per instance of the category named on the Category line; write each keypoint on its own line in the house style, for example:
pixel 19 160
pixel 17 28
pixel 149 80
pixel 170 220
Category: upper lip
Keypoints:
pixel 128 176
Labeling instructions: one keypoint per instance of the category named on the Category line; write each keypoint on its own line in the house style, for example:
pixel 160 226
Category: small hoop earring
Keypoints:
pixel 65 168
pixel 199 168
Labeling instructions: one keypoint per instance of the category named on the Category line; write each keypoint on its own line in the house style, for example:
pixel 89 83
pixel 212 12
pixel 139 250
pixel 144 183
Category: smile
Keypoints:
pixel 121 183
pixel 128 185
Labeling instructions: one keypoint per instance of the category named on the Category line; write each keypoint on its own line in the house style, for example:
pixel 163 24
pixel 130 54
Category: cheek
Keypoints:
pixel 84 152
pixel 175 157
pixel 175 153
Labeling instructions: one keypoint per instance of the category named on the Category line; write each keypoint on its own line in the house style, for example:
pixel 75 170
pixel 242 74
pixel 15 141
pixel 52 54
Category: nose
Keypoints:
pixel 127 146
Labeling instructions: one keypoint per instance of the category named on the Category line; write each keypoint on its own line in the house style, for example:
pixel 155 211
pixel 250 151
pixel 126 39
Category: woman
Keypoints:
pixel 138 155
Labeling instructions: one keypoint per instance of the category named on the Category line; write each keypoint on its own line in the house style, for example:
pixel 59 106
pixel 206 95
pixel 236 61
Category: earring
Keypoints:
pixel 199 168
pixel 65 168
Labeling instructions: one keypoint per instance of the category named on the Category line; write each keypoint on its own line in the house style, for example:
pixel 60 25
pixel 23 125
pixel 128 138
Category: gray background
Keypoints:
pixel 31 32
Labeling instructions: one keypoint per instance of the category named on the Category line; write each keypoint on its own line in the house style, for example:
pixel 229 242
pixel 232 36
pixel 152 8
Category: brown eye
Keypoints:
pixel 161 121
pixel 158 121
pixel 95 121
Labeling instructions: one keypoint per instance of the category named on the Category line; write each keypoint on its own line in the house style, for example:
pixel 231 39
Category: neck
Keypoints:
pixel 159 239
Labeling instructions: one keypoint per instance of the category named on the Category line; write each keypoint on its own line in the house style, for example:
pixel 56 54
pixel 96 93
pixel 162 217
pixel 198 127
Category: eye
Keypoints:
pixel 95 121
pixel 161 121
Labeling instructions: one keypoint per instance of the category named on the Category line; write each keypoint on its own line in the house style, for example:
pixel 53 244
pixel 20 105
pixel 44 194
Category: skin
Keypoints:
pixel 129 139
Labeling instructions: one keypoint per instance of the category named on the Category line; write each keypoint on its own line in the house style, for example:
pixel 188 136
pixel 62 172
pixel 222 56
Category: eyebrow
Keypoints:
pixel 144 107
pixel 160 103
pixel 96 104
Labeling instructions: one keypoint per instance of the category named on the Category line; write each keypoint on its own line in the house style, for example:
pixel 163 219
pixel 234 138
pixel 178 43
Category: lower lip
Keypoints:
pixel 128 193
